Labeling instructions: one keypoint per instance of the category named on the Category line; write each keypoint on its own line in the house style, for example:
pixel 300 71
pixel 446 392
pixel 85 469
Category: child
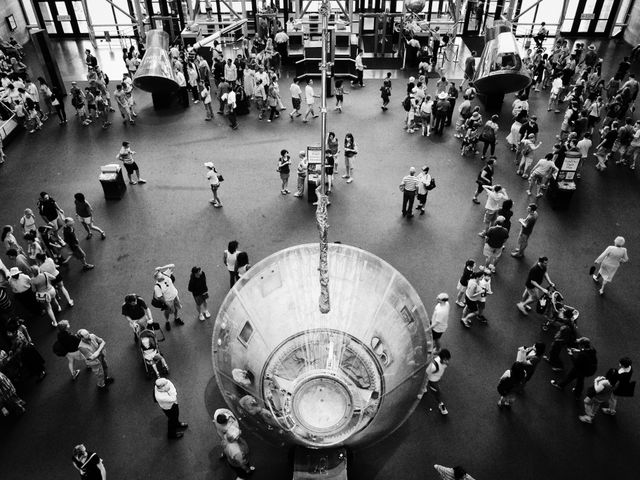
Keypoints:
pixel 464 281
pixel 103 110
pixel 90 98
pixel 385 91
pixel 340 93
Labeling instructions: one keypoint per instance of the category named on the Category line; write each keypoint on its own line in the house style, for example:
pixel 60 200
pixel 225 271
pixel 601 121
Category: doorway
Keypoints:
pixel 590 18
pixel 62 18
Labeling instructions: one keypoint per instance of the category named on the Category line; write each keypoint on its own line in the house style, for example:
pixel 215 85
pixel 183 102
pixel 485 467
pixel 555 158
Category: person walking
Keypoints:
pixel 20 285
pixel 409 188
pixel 137 313
pixel 230 106
pixel 585 364
pixel 526 227
pixel 485 178
pixel 564 339
pixel 166 294
pixel 200 291
pixel 350 152
pixel 214 182
pixel 359 69
pixel 46 264
pixel 310 97
pixel 469 68
pixel 439 320
pixel 435 370
pixel 92 349
pixel 125 155
pixel 42 285
pixel 472 297
pixel 10 402
pixel 229 258
pixel 28 222
pixel 302 174
pixel 496 195
pixel 296 98
pixel 205 96
pixel 84 212
pixel 166 396
pixel 620 379
pixel 71 239
pixel 50 212
pixel 284 169
pixel 441 111
pixel 533 285
pixel 495 238
pixel 609 261
pixel 89 464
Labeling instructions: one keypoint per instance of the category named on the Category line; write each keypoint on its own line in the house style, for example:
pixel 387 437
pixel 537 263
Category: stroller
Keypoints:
pixel 470 141
pixel 153 359
pixel 557 313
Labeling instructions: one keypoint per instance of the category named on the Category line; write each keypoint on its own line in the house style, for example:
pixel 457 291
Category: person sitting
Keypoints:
pixel 151 354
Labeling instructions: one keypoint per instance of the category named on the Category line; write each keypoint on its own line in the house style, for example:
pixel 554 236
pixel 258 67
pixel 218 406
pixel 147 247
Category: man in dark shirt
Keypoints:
pixel 585 364
pixel 89 464
pixel 495 238
pixel 136 311
pixel 50 212
pixel 69 235
pixel 533 286
pixel 441 111
pixel 530 127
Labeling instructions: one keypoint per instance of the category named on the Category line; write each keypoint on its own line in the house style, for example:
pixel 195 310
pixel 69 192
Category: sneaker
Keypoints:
pixel 103 236
pixel 443 409
pixel 179 321
pixel 557 369
pixel 608 411
pixel 142 180
pixel 132 182
pixel 520 306
pixel 88 266
pixel 89 236
pixel 71 303
pixel 517 254
pixel 465 324
pixel 75 374
pixel 460 304
pixel 217 205
pixel 349 180
pixel 345 176
pixel 476 201
pixel 201 317
pixel 109 380
pixel 556 385
pixel 297 195
pixel 528 192
pixel 207 314
pixel 585 419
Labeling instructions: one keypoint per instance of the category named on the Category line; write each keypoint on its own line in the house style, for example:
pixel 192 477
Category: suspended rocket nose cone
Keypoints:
pixel 155 74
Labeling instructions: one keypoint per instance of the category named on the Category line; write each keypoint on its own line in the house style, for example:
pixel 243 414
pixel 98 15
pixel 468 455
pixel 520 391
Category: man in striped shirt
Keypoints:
pixel 409 187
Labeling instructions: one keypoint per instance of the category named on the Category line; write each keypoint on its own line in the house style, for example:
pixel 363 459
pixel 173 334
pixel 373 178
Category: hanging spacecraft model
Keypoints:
pixel 500 69
pixel 297 376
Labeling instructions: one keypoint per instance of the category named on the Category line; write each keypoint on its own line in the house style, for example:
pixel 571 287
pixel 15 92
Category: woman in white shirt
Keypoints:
pixel 230 257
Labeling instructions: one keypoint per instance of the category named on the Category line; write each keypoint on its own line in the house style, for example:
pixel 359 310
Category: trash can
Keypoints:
pixel 112 181
pixel 560 194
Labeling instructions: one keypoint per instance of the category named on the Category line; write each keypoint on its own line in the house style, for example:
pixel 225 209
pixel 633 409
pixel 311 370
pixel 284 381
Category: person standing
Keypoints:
pixel 585 364
pixel 10 402
pixel 471 298
pixel 20 285
pixel 469 68
pixel 89 464
pixel 620 379
pixel 409 188
pixel 302 174
pixel 495 238
pixel 533 285
pixel 350 152
pixel 200 291
pixel 609 262
pixel 496 195
pixel 124 105
pixel 598 395
pixel 435 370
pixel 424 185
pixel 527 147
pixel 439 320
pixel 485 178
pixel 42 285
pixel 166 396
pixel 284 169
pixel 85 213
pixel 137 313
pixel 464 281
pixel 296 97
pixel 69 343
pixel 310 97
pixel 24 350
pixel 526 227
pixel 205 96
pixel 125 155
pixel 564 338
pixel 230 105
pixel 541 174
pixel 441 112
pixel 229 258
pixel 166 292
pixel 50 212
pixel 359 69
pixel 385 92
pixel 214 182
pixel 92 349
pixel 46 264
pixel 28 222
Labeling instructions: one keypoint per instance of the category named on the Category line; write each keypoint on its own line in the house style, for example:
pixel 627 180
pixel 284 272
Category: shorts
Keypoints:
pixel 436 335
pixel 471 305
pixel 461 288
pixel 173 306
pixel 534 292
pixel 339 98
pixel 200 299
pixel 433 386
pixel 538 179
pixel 489 251
pixel 490 216
pixel 86 220
pixel 214 188
pixel 296 103
pixel 422 198
pixel 284 176
pixel 131 167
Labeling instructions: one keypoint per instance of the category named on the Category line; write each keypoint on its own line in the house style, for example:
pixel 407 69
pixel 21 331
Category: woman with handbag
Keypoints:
pixel 199 290
pixel 609 262
pixel 350 151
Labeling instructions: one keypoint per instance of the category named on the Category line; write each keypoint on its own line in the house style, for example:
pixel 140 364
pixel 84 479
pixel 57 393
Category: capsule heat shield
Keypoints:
pixel 295 375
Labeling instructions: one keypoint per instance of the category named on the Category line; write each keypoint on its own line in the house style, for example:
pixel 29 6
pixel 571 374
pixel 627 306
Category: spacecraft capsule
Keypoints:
pixel 155 73
pixel 297 376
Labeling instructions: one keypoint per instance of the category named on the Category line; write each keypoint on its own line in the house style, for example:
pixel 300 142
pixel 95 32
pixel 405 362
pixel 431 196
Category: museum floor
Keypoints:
pixel 169 220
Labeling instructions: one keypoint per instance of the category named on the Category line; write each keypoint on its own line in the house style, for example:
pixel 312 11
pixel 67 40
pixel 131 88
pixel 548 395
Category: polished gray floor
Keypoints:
pixel 170 220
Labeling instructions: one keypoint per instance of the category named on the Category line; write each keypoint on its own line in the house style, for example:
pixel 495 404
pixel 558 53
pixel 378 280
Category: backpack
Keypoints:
pixel 488 134
pixel 431 186
pixel 106 79
pixel 406 103
pixel 59 349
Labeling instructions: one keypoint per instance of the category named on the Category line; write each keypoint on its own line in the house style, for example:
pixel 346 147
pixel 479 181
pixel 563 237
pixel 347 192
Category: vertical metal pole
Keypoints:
pixel 324 10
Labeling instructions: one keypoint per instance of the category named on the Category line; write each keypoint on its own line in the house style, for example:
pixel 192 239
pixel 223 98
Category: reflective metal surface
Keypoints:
pixel 415 6
pixel 501 69
pixel 348 377
pixel 154 73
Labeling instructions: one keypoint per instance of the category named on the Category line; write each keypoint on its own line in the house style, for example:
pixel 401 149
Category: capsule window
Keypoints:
pixel 245 334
